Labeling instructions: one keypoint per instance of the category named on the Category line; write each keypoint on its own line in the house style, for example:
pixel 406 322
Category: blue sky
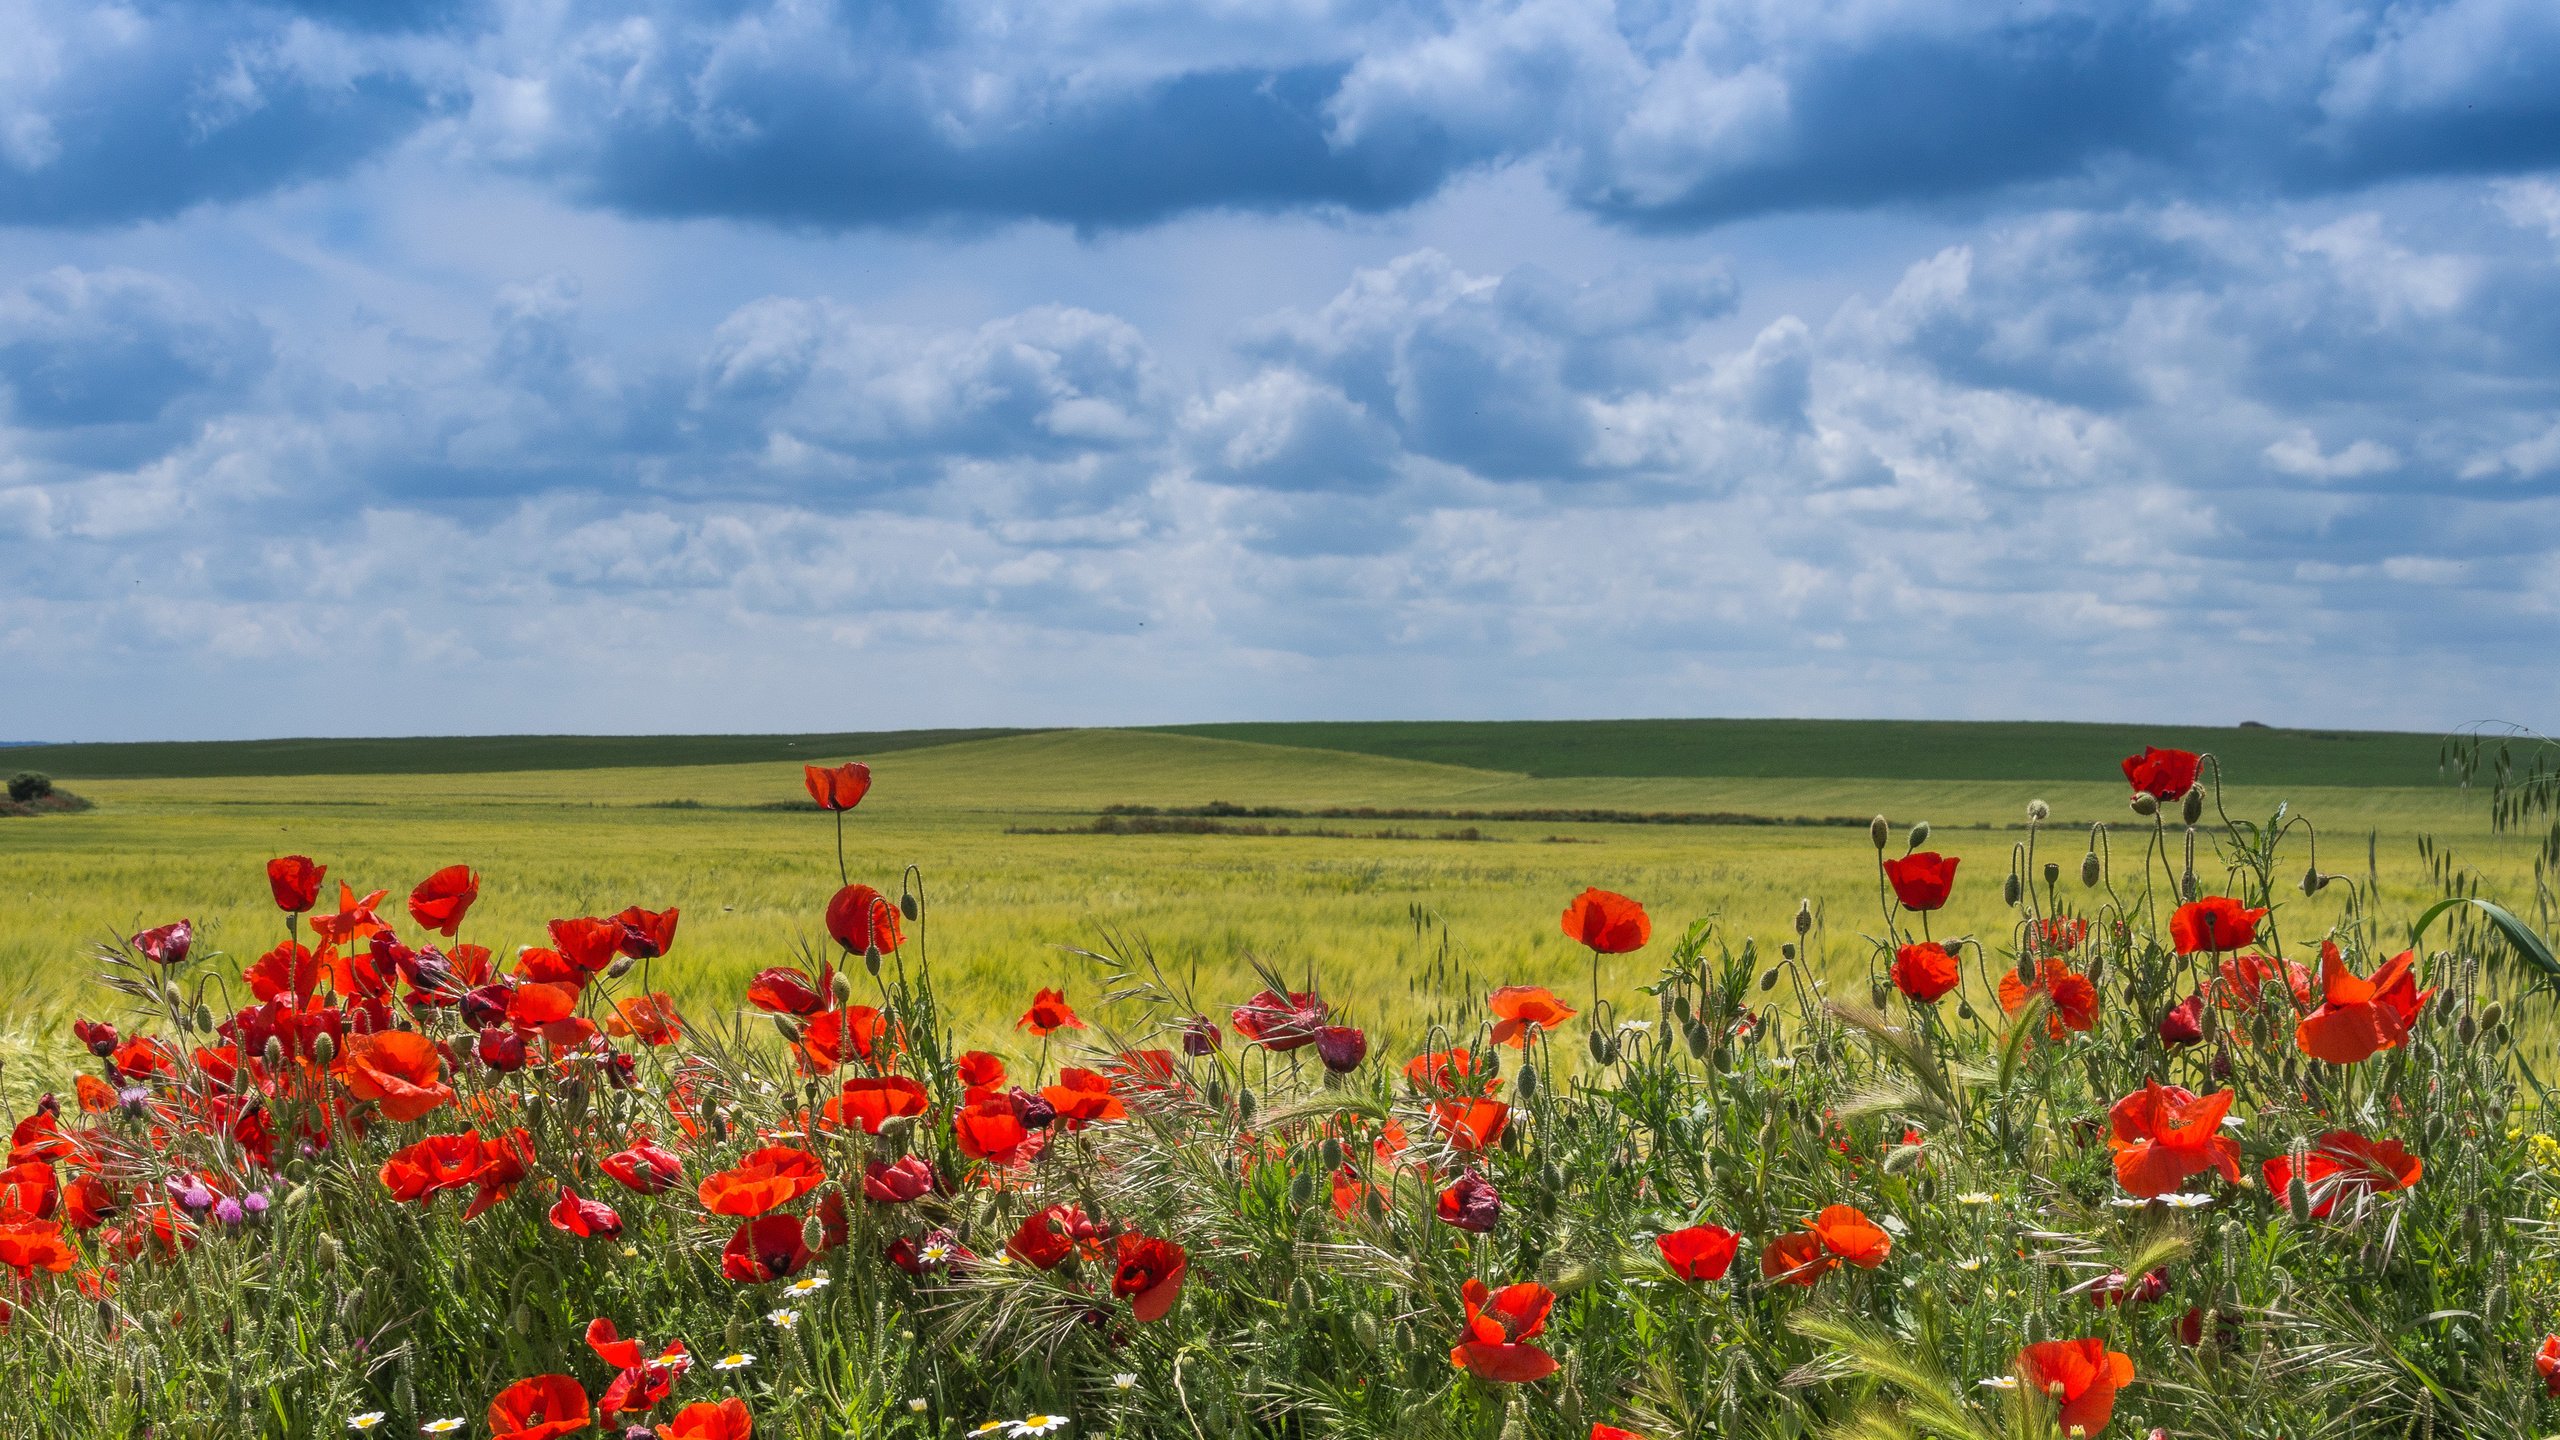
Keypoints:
pixel 418 366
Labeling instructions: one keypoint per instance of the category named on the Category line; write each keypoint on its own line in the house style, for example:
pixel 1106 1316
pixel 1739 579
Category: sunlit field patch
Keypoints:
pixel 524 1105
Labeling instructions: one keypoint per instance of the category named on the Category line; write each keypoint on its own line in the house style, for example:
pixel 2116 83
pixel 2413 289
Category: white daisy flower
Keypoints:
pixel 739 1361
pixel 1979 1197
pixel 1038 1425
pixel 1124 1381
pixel 782 1319
pixel 917 1405
pixel 1999 1382
pixel 365 1421
pixel 1969 1264
pixel 2233 1122
pixel 445 1426
pixel 1894 1224
pixel 811 1284
pixel 993 1427
pixel 2128 1202
pixel 2186 1200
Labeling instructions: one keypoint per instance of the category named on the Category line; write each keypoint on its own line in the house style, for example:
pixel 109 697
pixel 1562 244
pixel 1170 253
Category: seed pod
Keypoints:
pixel 2193 810
pixel 909 906
pixel 2038 812
pixel 1919 835
pixel 2052 873
pixel 871 959
pixel 2090 870
pixel 1528 1081
pixel 1804 916
pixel 1880 832
pixel 2012 890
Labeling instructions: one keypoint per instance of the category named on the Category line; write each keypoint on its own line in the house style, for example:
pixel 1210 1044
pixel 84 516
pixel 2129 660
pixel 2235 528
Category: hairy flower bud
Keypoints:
pixel 1919 835
pixel 843 988
pixel 2090 870
pixel 1528 1082
pixel 910 906
pixel 2144 805
pixel 2012 890
pixel 2313 881
pixel 1880 832
pixel 1804 916
pixel 871 959
pixel 2192 809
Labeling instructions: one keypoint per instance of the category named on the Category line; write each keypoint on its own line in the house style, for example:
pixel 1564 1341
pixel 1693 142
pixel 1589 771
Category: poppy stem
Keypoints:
pixel 843 877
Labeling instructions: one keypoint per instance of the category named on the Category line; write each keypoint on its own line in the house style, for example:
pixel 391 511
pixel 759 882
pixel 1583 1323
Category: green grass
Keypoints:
pixel 1362 914
pixel 1877 749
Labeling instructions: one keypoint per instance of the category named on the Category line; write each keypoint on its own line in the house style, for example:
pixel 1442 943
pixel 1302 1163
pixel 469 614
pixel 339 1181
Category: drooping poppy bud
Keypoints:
pixel 1342 1048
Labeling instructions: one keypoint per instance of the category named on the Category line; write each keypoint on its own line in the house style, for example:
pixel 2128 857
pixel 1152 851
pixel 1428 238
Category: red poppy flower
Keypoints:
pixel 1049 1013
pixel 1354 1195
pixel 442 899
pixel 910 1178
pixel 1925 972
pixel 1083 1097
pixel 2346 1166
pixel 645 1168
pixel 434 1165
pixel 1342 1048
pixel 545 966
pixel 354 923
pixel 650 1018
pixel 1280 1022
pixel 2057 934
pixel 1470 1203
pixel 289 971
pixel 541 1408
pixel 1046 1238
pixel 2547 1361
pixel 1701 1252
pixel 1797 1258
pixel 646 1384
pixel 1612 1432
pixel 605 1338
pixel 2243 978
pixel 29 1245
pixel 979 1070
pixel 1521 1010
pixel 142 1057
pixel 295 881
pixel 584 1218
pixel 2161 1134
pixel 1922 879
pixel 1606 922
pixel 1499 1323
pixel 1149 1276
pixel 2162 774
pixel 2072 999
pixel 531 1006
pixel 840 788
pixel 2214 924
pixel 395 1069
pixel 88 1203
pixel 858 1029
pixel 872 1103
pixel 1846 1231
pixel 1449 1072
pixel 2082 1375
pixel 1470 1125
pixel 787 990
pixel 29 1190
pixel 988 1130
pixel 761 1181
pixel 2360 1017
pixel 646 934
pixel 167 944
pixel 2184 1022
pixel 862 918
pixel 724 1419
pixel 589 944
pixel 506 1161
pixel 768 1247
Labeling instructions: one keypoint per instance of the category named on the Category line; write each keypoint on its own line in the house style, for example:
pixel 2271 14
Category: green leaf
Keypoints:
pixel 2529 947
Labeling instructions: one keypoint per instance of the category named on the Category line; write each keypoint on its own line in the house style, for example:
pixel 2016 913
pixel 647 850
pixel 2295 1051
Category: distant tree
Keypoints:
pixel 27 785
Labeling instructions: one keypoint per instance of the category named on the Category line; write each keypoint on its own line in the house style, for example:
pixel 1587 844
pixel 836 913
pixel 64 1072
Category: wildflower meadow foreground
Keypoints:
pixel 2199 1146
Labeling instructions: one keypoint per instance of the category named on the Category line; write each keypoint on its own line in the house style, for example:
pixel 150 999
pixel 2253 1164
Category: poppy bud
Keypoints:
pixel 2490 1017
pixel 1919 835
pixel 813 1232
pixel 2052 874
pixel 2493 1307
pixel 1681 1007
pixel 871 959
pixel 1604 1048
pixel 2144 805
pixel 1878 993
pixel 325 1252
pixel 107 1316
pixel 2297 1198
pixel 2184 1024
pixel 910 907
pixel 2012 890
pixel 2466 1030
pixel 789 1027
pixel 2090 871
pixel 1787 951
pixel 2313 882
pixel 1769 978
pixel 1964 1009
pixel 1341 1048
pixel 1302 1190
pixel 1330 1153
pixel 1697 1038
pixel 1364 1328
pixel 1879 832
pixel 1244 1105
pixel 275 1052
pixel 324 1047
pixel 1804 916
pixel 843 989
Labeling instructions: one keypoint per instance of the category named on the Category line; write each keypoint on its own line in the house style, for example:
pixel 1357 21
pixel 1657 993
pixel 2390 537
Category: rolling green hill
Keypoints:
pixel 1937 750
pixel 457 754
pixel 1865 749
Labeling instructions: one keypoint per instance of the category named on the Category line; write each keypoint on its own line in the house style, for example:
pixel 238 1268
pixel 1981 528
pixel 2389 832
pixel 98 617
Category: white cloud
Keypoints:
pixel 2299 454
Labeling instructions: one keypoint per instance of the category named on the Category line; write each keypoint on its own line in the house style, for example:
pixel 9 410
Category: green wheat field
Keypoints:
pixel 1371 905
